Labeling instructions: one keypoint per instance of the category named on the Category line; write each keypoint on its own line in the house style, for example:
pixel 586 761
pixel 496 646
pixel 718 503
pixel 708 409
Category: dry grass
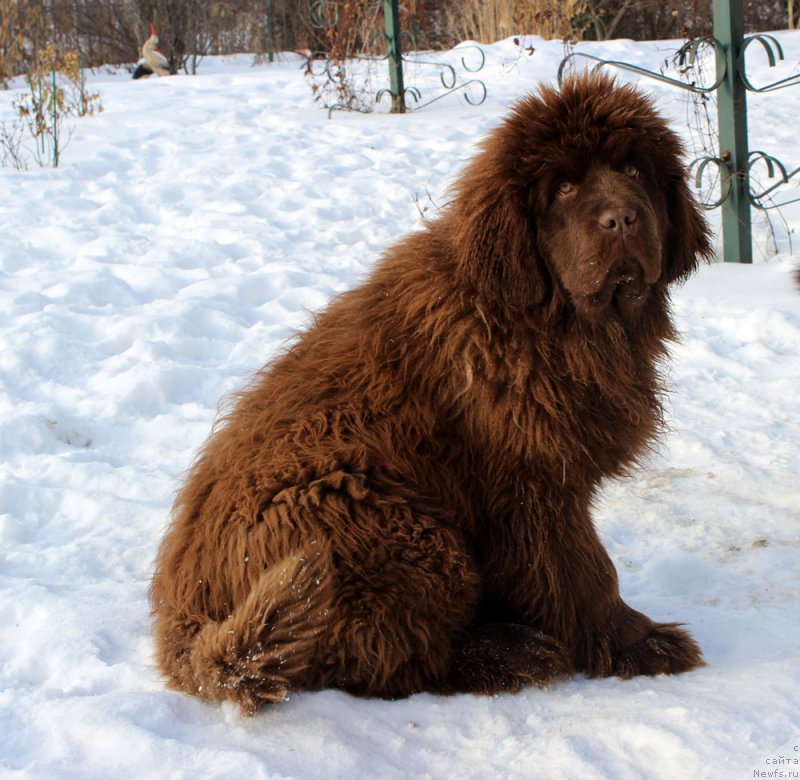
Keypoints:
pixel 492 21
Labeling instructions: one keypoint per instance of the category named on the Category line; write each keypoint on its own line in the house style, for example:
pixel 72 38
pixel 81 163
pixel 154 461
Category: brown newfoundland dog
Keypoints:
pixel 401 502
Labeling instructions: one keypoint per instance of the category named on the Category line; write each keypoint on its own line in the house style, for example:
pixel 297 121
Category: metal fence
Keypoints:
pixel 460 78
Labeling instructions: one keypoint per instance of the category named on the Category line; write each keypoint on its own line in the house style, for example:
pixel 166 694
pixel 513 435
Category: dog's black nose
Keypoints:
pixel 620 222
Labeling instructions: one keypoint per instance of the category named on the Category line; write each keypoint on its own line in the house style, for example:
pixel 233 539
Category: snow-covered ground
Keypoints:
pixel 191 228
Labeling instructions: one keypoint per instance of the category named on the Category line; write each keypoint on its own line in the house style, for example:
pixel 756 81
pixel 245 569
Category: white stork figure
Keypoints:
pixel 152 61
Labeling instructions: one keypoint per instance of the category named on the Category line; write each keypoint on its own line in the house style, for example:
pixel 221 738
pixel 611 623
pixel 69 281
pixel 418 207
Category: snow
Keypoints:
pixel 192 227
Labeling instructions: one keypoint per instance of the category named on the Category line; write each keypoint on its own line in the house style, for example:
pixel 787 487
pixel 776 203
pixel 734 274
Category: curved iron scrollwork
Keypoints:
pixel 449 78
pixel 723 174
pixel 772 163
pixel 774 52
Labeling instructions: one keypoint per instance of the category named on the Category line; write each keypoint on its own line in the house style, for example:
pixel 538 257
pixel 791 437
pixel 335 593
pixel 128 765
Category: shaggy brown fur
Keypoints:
pixel 401 502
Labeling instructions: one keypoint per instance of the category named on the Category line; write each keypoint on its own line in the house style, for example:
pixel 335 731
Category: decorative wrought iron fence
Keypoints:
pixel 734 161
pixel 325 16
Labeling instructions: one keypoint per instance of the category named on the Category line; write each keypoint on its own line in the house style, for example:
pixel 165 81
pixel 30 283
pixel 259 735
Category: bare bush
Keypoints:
pixel 11 153
pixel 55 91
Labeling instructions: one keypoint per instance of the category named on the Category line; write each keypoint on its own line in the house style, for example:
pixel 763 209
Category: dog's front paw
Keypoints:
pixel 666 649
pixel 500 657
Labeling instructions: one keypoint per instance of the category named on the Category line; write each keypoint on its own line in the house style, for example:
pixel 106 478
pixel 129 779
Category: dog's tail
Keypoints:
pixel 265 648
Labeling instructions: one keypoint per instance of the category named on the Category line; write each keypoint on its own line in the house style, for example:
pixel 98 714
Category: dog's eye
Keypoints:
pixel 565 188
pixel 630 170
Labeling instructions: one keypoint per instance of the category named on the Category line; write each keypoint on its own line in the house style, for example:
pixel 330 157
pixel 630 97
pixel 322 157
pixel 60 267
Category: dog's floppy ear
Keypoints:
pixel 688 241
pixel 494 233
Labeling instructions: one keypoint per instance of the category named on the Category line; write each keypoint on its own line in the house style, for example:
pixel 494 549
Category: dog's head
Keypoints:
pixel 581 193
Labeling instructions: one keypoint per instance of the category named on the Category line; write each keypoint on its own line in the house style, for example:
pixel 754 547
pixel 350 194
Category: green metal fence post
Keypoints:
pixel 54 98
pixel 392 14
pixel 732 113
pixel 270 54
